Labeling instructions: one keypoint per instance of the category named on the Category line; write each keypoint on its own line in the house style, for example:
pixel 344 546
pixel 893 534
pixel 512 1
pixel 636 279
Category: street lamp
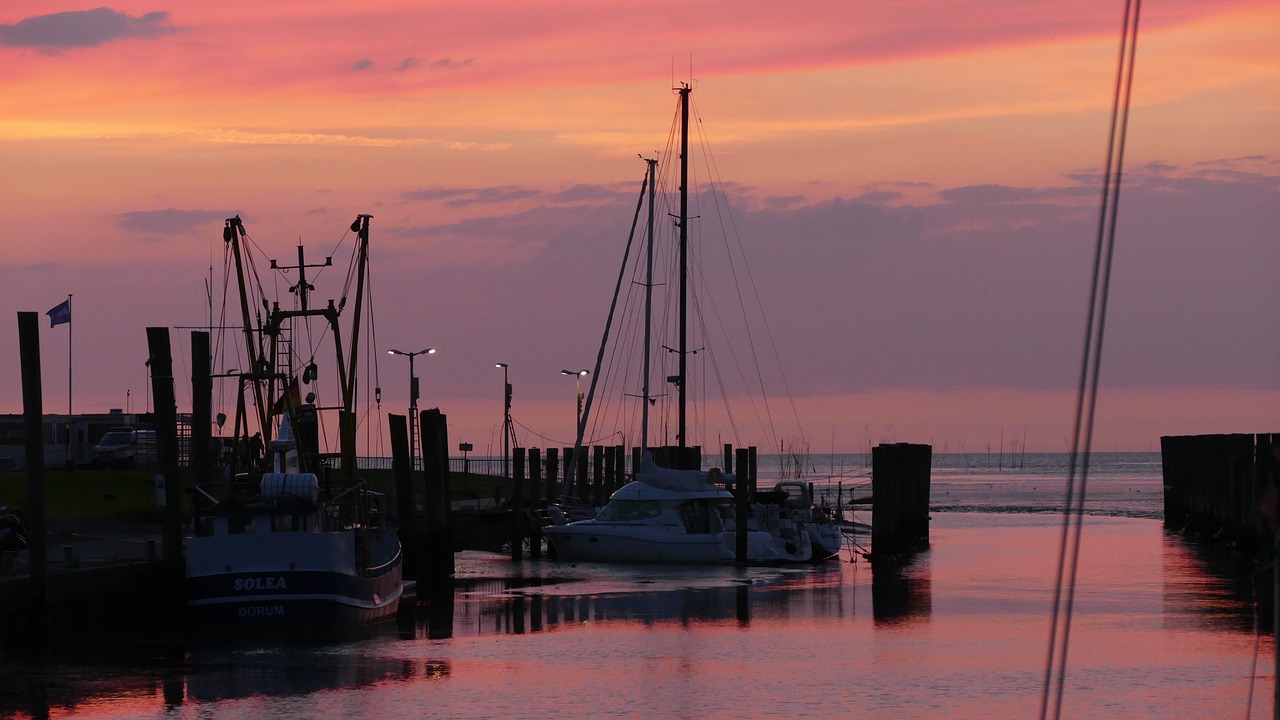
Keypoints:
pixel 413 398
pixel 506 422
pixel 577 381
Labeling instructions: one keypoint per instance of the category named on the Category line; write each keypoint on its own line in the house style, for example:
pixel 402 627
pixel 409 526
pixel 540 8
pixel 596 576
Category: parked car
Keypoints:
pixel 118 448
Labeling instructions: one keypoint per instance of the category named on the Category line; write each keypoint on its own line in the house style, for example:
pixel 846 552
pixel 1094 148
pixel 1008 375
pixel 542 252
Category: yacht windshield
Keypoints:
pixel 625 510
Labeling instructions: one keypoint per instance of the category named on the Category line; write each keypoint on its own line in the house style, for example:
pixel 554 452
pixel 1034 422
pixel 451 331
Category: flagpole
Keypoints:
pixel 70 325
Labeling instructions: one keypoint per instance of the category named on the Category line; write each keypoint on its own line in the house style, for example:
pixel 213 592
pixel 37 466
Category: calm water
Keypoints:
pixel 960 632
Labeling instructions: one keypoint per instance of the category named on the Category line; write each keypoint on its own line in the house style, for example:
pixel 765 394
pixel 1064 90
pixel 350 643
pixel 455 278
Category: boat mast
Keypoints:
pixel 232 232
pixel 347 421
pixel 684 261
pixel 648 310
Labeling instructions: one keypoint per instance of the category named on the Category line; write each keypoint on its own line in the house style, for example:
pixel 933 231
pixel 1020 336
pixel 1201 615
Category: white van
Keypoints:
pixel 118 448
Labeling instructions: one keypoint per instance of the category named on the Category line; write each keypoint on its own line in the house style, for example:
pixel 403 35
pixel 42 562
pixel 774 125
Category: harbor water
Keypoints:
pixel 1162 628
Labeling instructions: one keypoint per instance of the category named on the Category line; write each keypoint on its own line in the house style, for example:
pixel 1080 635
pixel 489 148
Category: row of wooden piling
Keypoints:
pixel 1221 486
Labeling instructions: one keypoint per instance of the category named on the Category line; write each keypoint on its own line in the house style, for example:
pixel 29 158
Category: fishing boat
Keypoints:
pixel 294 539
pixel 678 514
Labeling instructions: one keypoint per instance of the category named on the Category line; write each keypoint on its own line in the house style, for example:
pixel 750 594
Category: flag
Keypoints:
pixel 60 314
pixel 290 399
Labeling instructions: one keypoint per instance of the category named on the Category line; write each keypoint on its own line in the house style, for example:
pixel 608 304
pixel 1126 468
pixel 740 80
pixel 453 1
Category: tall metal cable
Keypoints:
pixel 1091 362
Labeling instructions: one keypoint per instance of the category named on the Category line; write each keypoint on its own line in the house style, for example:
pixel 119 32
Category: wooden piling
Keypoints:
pixel 742 504
pixel 404 504
pixel 166 414
pixel 553 470
pixel 33 428
pixel 597 481
pixel 900 498
pixel 201 406
pixel 1214 485
pixel 610 471
pixel 553 473
pixel 580 485
pixel 517 504
pixel 435 467
pixel 535 503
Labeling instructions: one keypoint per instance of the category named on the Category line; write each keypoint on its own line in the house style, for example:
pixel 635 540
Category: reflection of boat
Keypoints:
pixel 305 544
pixel 678 516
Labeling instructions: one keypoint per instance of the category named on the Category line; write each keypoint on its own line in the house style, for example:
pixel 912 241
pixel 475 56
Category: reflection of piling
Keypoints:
pixel 33 427
pixel 1213 485
pixel 440 609
pixel 434 429
pixel 900 498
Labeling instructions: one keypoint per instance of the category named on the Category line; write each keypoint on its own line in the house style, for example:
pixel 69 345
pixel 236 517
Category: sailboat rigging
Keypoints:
pixel 674 511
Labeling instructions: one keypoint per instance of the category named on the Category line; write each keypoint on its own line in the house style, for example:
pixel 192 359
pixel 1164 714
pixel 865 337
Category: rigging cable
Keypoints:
pixel 1087 392
pixel 729 229
pixel 591 391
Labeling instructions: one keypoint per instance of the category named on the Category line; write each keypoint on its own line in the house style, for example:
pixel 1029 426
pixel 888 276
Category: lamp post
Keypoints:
pixel 577 381
pixel 413 398
pixel 506 422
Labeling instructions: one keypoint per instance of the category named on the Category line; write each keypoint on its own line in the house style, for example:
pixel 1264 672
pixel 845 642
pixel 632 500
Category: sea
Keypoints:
pixel 1163 626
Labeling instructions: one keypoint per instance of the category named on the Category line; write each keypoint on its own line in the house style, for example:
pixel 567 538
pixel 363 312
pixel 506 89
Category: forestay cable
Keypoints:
pixel 1091 361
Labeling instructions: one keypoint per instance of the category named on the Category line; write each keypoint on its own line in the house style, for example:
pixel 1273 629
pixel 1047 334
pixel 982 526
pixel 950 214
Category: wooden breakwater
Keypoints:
pixel 900 478
pixel 1217 486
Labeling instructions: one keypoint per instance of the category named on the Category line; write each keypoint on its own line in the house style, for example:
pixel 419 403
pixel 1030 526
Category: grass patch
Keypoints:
pixel 129 495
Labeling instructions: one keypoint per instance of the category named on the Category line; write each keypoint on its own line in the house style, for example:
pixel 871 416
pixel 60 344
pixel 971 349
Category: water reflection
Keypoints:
pixel 902 592
pixel 956 632
pixel 1207 585
pixel 293 670
pixel 549 595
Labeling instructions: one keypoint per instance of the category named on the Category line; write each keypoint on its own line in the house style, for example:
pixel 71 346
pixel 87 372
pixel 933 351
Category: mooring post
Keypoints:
pixel 403 483
pixel 900 491
pixel 535 503
pixel 553 469
pixel 435 467
pixel 553 472
pixel 166 414
pixel 597 483
pixel 517 504
pixel 610 471
pixel 570 486
pixel 33 429
pixel 201 406
pixel 742 504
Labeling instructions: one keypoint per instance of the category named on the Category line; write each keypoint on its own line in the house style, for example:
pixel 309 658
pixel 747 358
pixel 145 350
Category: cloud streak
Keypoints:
pixel 60 32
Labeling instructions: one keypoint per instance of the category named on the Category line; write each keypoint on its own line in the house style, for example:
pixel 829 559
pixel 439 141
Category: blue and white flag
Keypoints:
pixel 60 314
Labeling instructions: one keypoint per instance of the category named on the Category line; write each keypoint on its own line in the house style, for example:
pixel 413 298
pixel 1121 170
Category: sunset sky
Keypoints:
pixel 915 185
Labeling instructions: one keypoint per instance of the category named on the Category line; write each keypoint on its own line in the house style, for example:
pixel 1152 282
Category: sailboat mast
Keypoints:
pixel 648 309
pixel 684 261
